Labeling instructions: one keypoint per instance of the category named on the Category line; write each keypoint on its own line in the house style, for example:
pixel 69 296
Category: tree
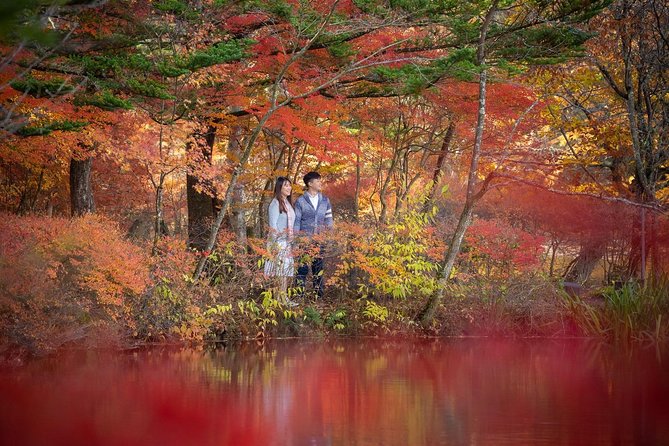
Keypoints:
pixel 474 190
pixel 496 46
pixel 287 67
pixel 641 85
pixel 618 86
pixel 399 136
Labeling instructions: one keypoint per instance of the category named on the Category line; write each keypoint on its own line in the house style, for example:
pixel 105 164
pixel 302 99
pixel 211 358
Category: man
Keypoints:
pixel 313 215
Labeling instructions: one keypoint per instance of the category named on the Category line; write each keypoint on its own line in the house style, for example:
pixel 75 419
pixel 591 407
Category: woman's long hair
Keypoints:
pixel 280 181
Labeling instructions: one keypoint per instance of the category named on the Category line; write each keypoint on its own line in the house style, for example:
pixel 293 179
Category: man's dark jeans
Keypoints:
pixel 316 271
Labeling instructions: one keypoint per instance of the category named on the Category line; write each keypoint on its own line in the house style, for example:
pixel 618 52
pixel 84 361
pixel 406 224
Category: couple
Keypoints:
pixel 310 214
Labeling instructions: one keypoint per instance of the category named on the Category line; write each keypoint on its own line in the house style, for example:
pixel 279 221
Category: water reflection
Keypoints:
pixel 362 392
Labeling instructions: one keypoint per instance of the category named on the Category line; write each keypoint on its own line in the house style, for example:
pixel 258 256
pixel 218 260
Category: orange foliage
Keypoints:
pixel 59 277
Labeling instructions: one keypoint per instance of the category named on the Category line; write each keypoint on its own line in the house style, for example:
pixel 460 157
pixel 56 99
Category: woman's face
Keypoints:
pixel 286 189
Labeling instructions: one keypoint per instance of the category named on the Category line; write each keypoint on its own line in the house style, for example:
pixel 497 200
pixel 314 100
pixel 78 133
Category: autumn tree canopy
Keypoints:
pixel 444 129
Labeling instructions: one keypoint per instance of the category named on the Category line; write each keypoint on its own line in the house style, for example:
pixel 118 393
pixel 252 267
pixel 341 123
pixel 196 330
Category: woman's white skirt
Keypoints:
pixel 281 264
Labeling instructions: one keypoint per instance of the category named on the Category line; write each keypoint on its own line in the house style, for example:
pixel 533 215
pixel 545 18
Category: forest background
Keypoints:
pixel 495 167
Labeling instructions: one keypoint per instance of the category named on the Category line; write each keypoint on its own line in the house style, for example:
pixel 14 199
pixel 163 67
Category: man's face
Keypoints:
pixel 315 184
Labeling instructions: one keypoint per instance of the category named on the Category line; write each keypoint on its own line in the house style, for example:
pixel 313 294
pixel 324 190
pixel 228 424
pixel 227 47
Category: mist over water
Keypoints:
pixel 342 392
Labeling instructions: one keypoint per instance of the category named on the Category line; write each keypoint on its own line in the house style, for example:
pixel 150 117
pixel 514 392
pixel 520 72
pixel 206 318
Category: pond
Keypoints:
pixel 342 392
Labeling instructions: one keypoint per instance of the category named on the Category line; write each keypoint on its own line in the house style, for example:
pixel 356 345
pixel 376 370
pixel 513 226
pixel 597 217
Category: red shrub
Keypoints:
pixel 59 277
pixel 498 250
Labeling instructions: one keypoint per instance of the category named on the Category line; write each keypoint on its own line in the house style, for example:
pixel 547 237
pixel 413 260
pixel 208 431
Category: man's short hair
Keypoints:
pixel 311 176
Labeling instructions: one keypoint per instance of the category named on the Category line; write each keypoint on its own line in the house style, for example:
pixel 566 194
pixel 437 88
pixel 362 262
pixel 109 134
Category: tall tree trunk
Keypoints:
pixel 238 216
pixel 403 193
pixel 177 214
pixel 278 157
pixel 438 173
pixel 22 208
pixel 29 198
pixel 159 225
pixel 237 209
pixel 383 193
pixel 639 61
pixel 356 197
pixel 200 205
pixel 227 199
pixel 81 188
pixel 263 206
pixel 465 219
pixel 38 190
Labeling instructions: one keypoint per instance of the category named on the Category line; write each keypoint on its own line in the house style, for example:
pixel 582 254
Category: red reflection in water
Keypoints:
pixel 368 392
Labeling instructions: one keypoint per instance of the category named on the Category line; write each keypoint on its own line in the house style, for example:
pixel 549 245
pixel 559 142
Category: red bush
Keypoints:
pixel 499 250
pixel 60 277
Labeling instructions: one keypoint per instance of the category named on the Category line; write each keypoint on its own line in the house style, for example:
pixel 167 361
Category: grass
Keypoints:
pixel 629 313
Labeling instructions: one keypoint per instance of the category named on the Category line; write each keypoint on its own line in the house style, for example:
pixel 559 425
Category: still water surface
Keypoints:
pixel 351 392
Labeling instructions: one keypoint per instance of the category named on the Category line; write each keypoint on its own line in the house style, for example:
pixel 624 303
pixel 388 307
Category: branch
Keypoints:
pixel 656 207
pixel 609 79
pixel 298 54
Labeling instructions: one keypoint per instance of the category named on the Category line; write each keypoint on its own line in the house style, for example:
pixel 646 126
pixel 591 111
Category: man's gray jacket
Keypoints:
pixel 309 220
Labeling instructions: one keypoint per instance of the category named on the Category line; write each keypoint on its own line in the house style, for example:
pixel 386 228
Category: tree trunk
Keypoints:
pixel 639 142
pixel 641 240
pixel 383 193
pixel 159 225
pixel 278 156
pixel 472 196
pixel 38 190
pixel 237 210
pixel 403 193
pixel 555 244
pixel 238 215
pixel 383 214
pixel 356 197
pixel 590 253
pixel 236 172
pixel 200 205
pixel 177 221
pixel 438 173
pixel 81 188
pixel 263 206
pixel 451 255
pixel 29 198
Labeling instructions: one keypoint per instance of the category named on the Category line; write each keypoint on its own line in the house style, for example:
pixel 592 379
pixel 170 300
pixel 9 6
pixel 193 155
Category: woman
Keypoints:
pixel 281 220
